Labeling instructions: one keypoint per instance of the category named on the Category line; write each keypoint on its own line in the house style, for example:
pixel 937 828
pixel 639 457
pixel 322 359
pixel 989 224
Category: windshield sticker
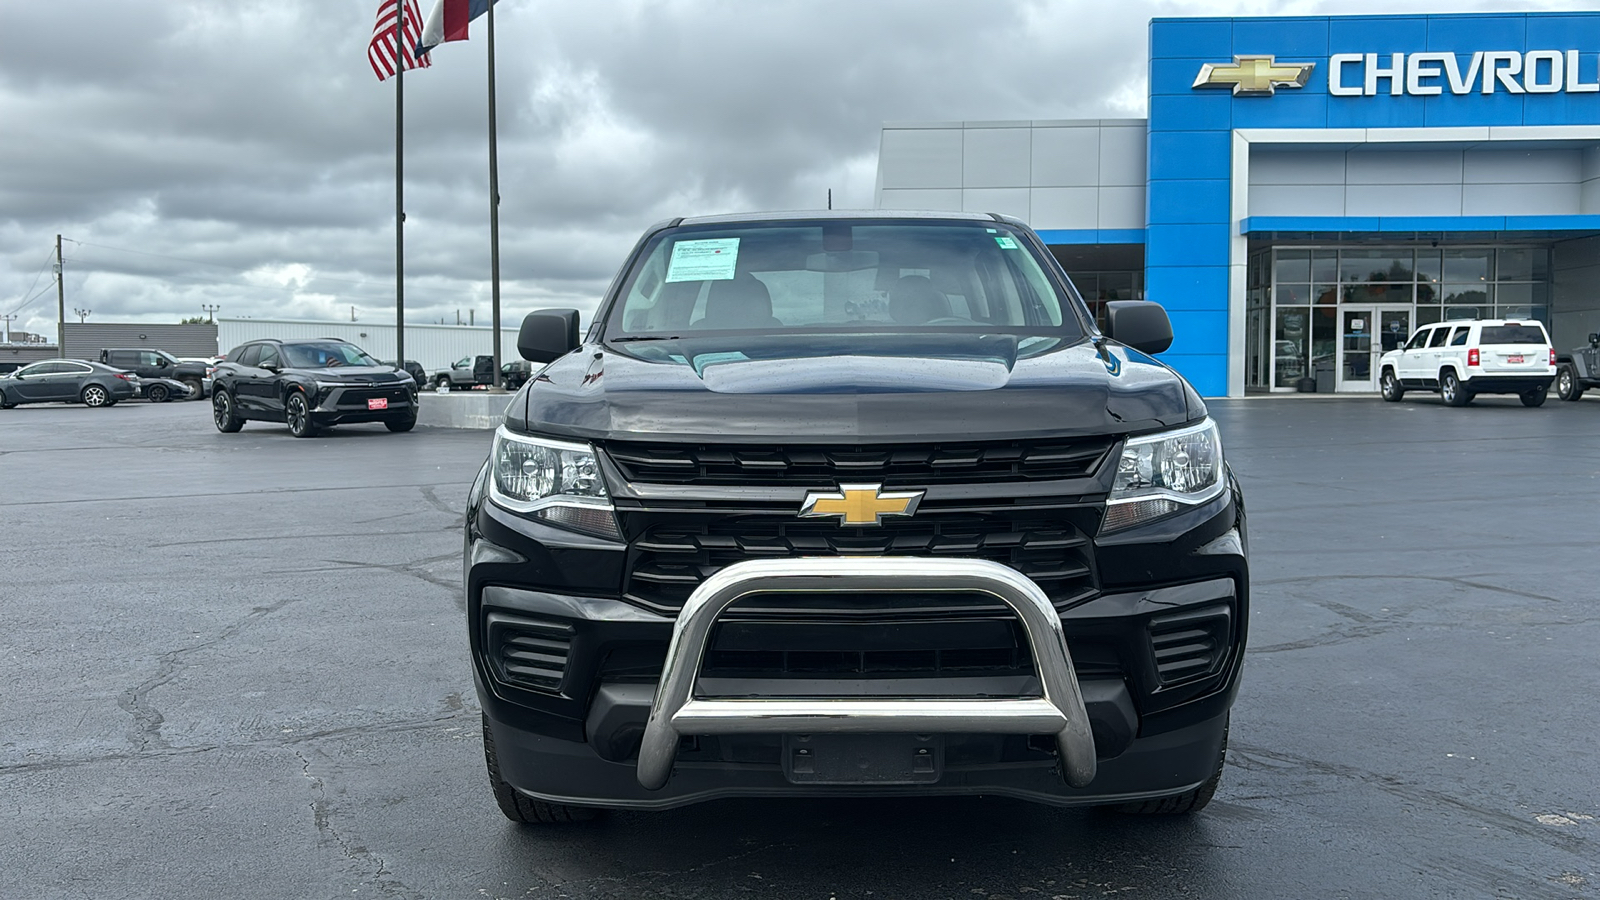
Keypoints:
pixel 708 260
pixel 1005 243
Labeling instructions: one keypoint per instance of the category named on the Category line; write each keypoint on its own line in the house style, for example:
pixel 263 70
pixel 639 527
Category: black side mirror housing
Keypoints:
pixel 547 334
pixel 1139 324
pixel 1594 340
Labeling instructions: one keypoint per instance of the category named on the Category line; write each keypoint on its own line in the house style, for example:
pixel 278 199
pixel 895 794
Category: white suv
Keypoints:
pixel 1462 359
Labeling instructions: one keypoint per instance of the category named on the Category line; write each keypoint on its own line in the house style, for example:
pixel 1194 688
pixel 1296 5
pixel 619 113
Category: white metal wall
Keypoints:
pixel 1480 180
pixel 1052 174
pixel 434 346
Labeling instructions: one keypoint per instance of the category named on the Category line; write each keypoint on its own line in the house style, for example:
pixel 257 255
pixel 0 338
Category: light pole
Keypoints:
pixel 209 310
pixel 82 314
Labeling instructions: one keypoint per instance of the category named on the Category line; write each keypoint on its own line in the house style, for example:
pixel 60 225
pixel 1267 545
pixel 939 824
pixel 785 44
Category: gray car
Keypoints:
pixel 67 381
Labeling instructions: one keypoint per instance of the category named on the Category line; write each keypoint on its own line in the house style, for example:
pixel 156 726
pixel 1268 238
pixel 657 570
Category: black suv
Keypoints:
pixel 153 364
pixel 310 385
pixel 840 504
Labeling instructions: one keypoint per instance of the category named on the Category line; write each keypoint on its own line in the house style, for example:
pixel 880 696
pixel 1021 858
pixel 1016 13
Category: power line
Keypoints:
pixel 42 291
pixel 39 274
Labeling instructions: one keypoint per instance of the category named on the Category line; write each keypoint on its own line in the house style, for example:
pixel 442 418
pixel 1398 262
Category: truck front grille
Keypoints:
pixel 669 559
pixel 909 465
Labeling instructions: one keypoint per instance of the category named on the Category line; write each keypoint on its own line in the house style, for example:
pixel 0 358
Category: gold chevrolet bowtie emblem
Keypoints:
pixel 860 504
pixel 1254 76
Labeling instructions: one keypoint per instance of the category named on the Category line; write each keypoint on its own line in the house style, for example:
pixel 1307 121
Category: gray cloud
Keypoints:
pixel 241 153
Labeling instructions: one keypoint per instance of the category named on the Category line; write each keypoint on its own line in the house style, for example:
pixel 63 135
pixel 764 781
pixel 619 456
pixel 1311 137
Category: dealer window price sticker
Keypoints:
pixel 708 260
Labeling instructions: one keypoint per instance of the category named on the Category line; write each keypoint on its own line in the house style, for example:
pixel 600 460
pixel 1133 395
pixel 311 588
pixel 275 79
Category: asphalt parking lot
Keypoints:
pixel 236 666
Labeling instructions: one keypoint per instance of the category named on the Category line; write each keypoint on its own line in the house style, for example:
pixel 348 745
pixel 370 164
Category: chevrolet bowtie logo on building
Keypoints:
pixel 860 504
pixel 1254 76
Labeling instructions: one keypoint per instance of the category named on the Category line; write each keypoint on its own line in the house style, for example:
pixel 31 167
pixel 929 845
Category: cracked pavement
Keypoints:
pixel 236 667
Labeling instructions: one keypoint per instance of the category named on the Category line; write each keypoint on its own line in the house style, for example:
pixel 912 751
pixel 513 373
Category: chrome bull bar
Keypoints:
pixel 676 712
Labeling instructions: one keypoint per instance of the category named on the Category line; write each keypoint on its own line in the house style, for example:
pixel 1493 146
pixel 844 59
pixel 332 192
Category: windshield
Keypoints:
pixel 326 355
pixel 840 277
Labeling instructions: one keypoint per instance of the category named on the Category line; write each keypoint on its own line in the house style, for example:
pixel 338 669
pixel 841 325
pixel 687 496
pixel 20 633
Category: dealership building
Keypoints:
pixel 1307 191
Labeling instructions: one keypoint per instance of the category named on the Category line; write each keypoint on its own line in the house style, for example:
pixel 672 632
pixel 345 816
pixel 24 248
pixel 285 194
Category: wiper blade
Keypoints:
pixel 646 337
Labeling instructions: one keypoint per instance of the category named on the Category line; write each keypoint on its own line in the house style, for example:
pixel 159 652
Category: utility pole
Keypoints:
pixel 82 314
pixel 61 302
pixel 209 309
pixel 8 318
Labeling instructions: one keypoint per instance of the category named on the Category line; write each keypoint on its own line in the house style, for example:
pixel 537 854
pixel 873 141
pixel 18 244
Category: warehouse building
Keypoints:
pixel 1307 191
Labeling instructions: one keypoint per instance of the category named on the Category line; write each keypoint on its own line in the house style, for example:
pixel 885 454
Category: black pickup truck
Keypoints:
pixel 152 364
pixel 853 504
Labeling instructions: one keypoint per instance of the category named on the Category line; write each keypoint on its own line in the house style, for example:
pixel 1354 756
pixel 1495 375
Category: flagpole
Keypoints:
pixel 494 211
pixel 400 190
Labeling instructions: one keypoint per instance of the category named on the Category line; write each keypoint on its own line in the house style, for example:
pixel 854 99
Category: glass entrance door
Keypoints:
pixel 1365 334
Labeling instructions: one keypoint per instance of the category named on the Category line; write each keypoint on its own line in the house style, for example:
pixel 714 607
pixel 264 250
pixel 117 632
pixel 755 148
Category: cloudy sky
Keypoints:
pixel 241 153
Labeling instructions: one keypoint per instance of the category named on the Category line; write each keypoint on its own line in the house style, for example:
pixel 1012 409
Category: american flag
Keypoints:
pixel 381 51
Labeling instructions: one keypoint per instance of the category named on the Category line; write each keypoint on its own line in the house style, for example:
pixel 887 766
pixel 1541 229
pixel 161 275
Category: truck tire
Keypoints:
pixel 1568 385
pixel 197 388
pixel 526 810
pixel 443 381
pixel 1186 802
pixel 1451 389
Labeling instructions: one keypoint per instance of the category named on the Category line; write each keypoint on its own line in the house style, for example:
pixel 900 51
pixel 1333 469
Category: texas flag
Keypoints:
pixel 448 22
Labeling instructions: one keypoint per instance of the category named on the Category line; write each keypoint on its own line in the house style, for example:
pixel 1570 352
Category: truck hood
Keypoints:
pixel 879 388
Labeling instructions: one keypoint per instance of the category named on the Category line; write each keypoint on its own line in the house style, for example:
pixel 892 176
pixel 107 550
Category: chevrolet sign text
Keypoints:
pixel 1430 74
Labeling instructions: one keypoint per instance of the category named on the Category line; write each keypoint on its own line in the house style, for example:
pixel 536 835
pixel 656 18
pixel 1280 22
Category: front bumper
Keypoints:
pixel 347 404
pixel 577 739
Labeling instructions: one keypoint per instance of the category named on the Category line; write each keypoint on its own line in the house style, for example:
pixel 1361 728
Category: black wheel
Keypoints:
pixel 1568 387
pixel 1392 391
pixel 526 810
pixel 401 425
pixel 1451 390
pixel 297 415
pixel 441 382
pixel 223 412
pixel 197 388
pixel 1534 397
pixel 158 393
pixel 94 396
pixel 1187 802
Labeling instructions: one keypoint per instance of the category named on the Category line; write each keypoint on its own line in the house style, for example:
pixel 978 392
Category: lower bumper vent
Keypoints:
pixel 529 652
pixel 1191 644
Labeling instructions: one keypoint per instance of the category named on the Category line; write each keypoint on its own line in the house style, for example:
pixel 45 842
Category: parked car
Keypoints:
pixel 1579 370
pixel 310 385
pixel 412 368
pixel 845 469
pixel 148 363
pixel 1463 358
pixel 161 390
pixel 466 372
pixel 515 374
pixel 67 381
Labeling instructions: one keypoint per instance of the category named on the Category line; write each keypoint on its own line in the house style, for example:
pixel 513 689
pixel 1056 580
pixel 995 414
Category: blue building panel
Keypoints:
pixel 1210 112
pixel 1188 287
pixel 1190 154
pixel 1190 202
pixel 1186 245
pixel 1199 332
pixel 1190 38
pixel 1304 109
pixel 1558 31
pixel 1466 33
pixel 1377 34
pixel 1287 38
pixel 1379 112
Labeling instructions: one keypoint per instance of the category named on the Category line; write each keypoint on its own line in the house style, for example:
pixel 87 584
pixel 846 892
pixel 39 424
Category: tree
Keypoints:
pixel 194 320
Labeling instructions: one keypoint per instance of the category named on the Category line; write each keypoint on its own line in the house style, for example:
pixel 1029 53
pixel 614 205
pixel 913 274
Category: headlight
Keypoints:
pixel 558 482
pixel 1160 474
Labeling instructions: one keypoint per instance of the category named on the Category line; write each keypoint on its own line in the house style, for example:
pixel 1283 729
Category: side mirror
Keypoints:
pixel 547 334
pixel 1139 324
pixel 161 363
pixel 1594 340
pixel 270 366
